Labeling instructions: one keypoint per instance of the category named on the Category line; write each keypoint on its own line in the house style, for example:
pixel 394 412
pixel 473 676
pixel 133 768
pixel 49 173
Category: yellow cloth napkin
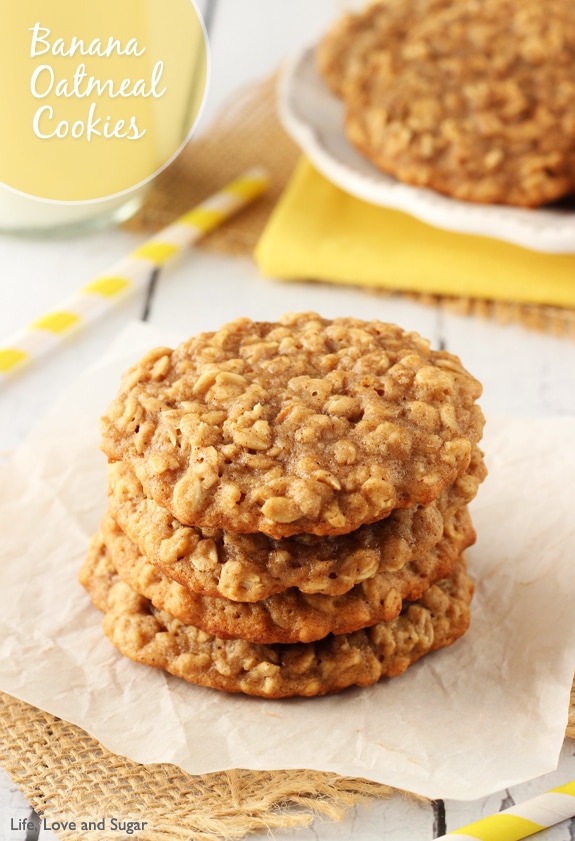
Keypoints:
pixel 319 232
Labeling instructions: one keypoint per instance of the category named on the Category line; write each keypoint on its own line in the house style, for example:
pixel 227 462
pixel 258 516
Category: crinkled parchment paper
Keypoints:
pixel 485 714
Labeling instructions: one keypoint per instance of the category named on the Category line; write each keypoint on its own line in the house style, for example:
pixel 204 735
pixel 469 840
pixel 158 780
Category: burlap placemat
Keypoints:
pixel 68 776
pixel 247 132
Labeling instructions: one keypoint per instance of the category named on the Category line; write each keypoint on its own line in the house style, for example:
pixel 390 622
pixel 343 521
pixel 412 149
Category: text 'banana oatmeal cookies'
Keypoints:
pixel 288 505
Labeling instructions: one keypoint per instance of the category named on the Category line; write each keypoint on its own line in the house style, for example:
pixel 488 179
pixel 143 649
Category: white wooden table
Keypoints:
pixel 524 374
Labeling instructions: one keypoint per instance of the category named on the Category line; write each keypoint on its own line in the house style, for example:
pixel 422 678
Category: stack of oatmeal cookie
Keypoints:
pixel 288 505
pixel 472 98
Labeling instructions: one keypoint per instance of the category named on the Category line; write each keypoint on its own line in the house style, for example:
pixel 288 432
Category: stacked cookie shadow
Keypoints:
pixel 472 98
pixel 287 506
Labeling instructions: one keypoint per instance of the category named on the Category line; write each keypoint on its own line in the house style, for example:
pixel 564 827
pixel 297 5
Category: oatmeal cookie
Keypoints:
pixel 154 638
pixel 252 567
pixel 482 107
pixel 306 425
pixel 381 28
pixel 290 616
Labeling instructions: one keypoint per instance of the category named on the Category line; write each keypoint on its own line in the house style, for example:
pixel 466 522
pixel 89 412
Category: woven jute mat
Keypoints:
pixel 247 132
pixel 68 776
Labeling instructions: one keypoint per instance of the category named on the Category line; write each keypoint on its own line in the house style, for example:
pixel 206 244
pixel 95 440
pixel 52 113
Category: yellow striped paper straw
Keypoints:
pixel 522 820
pixel 130 274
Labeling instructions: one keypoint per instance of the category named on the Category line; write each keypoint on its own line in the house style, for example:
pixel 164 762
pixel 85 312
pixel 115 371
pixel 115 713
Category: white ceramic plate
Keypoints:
pixel 313 117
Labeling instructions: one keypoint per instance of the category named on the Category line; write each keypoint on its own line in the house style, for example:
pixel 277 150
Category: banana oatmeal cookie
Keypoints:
pixel 306 425
pixel 290 616
pixel 251 567
pixel 480 106
pixel 381 28
pixel 153 637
